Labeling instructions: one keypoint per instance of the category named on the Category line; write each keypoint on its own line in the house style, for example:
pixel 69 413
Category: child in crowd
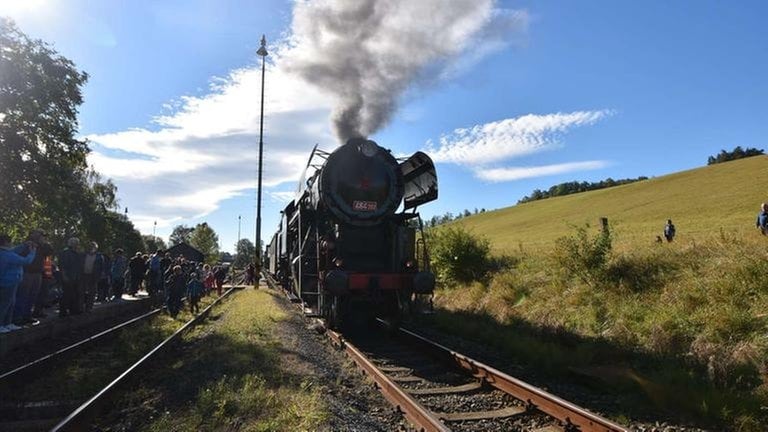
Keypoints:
pixel 208 280
pixel 194 291
pixel 176 284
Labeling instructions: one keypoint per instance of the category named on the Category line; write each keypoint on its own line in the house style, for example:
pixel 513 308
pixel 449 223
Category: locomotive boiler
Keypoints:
pixel 348 241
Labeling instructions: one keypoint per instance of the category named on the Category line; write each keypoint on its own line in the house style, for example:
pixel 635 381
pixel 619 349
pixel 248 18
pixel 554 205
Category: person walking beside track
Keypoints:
pixel 194 292
pixel 220 273
pixel 93 265
pixel 175 285
pixel 71 269
pixel 11 271
pixel 119 266
pixel 137 268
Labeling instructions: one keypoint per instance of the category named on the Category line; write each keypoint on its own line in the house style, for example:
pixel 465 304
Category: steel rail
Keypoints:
pixel 568 413
pixel 572 416
pixel 78 418
pixel 28 367
pixel 415 412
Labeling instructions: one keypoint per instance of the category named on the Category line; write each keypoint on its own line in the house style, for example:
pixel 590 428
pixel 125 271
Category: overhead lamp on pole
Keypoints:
pixel 262 52
pixel 154 228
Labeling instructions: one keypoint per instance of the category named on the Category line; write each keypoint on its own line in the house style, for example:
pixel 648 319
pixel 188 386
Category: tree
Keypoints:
pixel 737 153
pixel 44 179
pixel 245 253
pixel 205 239
pixel 153 243
pixel 180 234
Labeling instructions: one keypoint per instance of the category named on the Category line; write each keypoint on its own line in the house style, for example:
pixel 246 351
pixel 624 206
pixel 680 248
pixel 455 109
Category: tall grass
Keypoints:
pixel 683 315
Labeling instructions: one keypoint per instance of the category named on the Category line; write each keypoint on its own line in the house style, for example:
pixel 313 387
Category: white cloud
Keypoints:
pixel 207 150
pixel 482 146
pixel 518 173
pixel 508 138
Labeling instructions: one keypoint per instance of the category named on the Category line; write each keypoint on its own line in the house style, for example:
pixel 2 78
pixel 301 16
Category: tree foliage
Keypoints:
pixel 245 253
pixel 205 239
pixel 153 243
pixel 180 234
pixel 737 153
pixel 45 181
pixel 573 187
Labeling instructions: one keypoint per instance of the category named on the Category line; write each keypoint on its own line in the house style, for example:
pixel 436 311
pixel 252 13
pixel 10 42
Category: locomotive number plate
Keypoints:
pixel 366 206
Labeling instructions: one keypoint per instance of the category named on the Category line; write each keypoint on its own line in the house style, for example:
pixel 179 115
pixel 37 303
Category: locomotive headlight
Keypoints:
pixel 369 148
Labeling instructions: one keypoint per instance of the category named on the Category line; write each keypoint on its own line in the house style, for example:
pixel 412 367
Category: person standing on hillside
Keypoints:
pixel 669 231
pixel 762 219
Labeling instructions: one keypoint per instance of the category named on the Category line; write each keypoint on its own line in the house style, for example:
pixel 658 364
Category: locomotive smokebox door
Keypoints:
pixel 419 180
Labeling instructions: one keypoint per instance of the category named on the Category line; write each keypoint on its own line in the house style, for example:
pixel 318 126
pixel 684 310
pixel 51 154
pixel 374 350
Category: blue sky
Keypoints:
pixel 560 91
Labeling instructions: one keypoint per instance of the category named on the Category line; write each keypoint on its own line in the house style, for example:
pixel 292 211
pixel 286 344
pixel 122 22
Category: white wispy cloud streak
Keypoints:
pixel 509 138
pixel 519 173
pixel 204 149
pixel 481 147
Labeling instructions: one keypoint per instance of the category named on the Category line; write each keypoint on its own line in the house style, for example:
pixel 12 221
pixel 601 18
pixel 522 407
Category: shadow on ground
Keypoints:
pixel 618 382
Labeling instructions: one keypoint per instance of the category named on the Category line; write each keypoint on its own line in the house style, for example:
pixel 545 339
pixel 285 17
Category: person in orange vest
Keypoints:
pixel 45 287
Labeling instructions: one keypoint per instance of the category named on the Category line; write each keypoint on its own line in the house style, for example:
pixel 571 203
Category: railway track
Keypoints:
pixel 438 389
pixel 25 409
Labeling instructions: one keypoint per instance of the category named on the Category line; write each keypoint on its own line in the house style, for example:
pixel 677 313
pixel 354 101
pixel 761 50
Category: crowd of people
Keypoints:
pixel 28 272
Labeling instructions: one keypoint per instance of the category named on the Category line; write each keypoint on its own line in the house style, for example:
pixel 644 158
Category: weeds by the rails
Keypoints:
pixel 230 377
pixel 683 325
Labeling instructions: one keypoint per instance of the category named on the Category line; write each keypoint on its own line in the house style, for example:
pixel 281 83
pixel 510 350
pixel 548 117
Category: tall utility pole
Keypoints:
pixel 263 53
pixel 238 233
pixel 154 228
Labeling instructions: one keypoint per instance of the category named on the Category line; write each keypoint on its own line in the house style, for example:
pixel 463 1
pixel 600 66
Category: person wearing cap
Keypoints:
pixel 29 289
pixel 71 271
pixel 11 272
pixel 762 219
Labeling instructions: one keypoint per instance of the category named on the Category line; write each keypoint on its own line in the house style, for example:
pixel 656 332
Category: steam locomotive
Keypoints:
pixel 347 243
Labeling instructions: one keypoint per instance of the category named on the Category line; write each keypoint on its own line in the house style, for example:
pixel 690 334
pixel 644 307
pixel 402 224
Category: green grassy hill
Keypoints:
pixel 700 202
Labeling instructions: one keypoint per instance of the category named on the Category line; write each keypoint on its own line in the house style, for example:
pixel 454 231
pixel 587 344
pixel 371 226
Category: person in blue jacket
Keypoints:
pixel 11 271
pixel 194 292
pixel 762 219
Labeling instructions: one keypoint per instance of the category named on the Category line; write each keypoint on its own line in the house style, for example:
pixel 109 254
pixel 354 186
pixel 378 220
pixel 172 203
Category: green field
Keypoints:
pixel 685 323
pixel 700 202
